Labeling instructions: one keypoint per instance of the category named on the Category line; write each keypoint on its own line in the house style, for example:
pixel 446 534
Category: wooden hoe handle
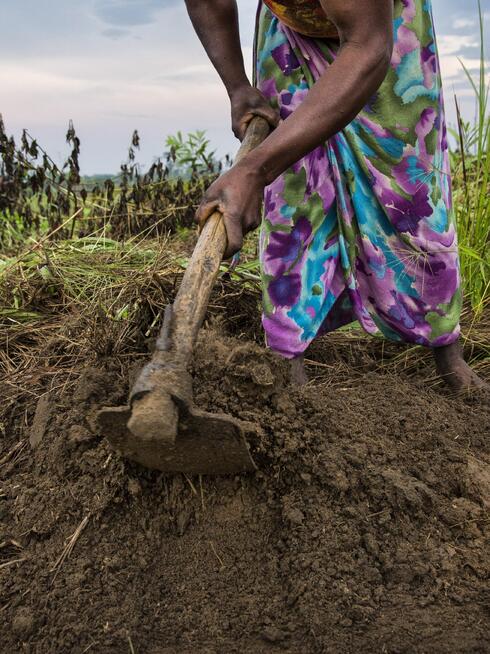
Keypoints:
pixel 192 299
pixel 164 386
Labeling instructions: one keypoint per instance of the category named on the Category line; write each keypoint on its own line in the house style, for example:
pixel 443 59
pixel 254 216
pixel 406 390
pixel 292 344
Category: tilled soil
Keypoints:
pixel 365 528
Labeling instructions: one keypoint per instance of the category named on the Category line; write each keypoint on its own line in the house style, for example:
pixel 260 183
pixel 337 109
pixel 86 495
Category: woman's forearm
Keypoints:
pixel 340 93
pixel 216 24
pixel 331 104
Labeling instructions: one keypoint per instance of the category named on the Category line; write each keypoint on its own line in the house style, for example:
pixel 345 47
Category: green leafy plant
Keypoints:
pixel 192 154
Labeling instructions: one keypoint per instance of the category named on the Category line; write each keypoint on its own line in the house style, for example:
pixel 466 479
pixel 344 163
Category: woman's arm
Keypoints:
pixel 366 33
pixel 216 24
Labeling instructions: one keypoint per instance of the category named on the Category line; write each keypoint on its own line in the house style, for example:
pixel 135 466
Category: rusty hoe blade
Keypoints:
pixel 206 443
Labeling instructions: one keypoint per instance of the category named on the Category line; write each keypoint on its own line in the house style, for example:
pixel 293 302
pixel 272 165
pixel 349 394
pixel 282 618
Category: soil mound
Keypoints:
pixel 365 528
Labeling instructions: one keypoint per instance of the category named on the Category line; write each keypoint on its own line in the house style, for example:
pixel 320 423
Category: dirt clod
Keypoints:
pixel 40 422
pixel 23 624
pixel 79 434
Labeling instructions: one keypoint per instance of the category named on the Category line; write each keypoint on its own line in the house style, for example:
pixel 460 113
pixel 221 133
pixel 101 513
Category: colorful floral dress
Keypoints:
pixel 362 228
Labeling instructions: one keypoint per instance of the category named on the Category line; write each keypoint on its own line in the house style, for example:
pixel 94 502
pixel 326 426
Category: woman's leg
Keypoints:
pixel 450 365
pixel 302 275
pixel 298 372
pixel 453 369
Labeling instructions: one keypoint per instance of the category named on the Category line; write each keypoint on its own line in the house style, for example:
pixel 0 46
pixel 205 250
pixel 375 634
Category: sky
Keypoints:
pixel 113 66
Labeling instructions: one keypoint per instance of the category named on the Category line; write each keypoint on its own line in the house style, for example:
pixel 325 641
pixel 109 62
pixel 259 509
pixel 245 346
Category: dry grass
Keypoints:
pixel 71 541
pixel 68 304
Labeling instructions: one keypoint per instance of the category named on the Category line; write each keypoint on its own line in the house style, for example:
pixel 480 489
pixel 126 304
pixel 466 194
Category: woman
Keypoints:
pixel 358 221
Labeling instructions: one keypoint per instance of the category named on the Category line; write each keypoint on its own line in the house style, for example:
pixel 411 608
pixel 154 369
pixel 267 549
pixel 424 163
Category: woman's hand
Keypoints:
pixel 247 102
pixel 237 194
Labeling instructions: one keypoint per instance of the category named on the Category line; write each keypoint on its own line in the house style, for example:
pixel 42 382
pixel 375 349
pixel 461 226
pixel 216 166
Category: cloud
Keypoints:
pixel 464 23
pixel 470 52
pixel 115 33
pixel 449 44
pixel 127 13
pixel 198 74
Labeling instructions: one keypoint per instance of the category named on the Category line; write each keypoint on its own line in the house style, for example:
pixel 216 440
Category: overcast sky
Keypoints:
pixel 116 65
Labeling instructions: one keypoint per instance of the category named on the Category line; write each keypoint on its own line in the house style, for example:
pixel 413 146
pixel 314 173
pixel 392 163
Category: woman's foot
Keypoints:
pixel 454 370
pixel 298 372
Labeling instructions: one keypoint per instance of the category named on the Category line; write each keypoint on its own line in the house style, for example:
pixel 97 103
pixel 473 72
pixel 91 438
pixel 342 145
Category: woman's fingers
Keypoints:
pixel 241 130
pixel 246 103
pixel 268 113
pixel 205 210
pixel 236 228
pixel 233 224
pixel 237 195
pixel 234 235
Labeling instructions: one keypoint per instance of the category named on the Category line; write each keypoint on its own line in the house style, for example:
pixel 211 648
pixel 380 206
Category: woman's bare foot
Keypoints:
pixel 454 370
pixel 298 372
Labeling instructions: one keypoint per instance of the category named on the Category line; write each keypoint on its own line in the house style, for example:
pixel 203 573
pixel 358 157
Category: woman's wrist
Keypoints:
pixel 236 88
pixel 251 172
pixel 258 164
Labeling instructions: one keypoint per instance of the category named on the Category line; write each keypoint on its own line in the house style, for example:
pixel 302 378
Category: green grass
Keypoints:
pixel 471 182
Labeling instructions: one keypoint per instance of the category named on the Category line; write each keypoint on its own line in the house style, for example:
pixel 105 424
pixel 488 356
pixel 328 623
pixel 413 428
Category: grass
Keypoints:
pixel 77 300
pixel 122 289
pixel 471 177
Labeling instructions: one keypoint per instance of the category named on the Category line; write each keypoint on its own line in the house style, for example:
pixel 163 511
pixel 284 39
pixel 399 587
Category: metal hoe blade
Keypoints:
pixel 206 443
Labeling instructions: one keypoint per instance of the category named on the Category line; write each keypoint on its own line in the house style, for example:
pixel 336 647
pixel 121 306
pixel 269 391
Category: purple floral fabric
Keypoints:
pixel 362 228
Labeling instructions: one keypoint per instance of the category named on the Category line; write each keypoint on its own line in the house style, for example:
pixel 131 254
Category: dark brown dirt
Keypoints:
pixel 365 529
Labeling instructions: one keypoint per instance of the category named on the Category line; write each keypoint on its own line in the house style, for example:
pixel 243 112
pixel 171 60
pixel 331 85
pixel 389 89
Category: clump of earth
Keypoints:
pixel 364 529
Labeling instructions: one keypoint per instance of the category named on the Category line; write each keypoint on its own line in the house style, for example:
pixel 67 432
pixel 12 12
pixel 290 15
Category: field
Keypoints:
pixel 365 527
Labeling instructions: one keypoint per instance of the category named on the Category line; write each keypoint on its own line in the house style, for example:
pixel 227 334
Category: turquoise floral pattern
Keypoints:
pixel 362 228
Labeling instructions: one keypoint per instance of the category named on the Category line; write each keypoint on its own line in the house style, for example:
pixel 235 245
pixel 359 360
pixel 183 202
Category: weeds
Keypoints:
pixel 36 195
pixel 192 155
pixel 471 176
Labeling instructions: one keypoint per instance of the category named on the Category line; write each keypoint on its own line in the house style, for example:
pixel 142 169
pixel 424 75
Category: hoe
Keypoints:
pixel 160 427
